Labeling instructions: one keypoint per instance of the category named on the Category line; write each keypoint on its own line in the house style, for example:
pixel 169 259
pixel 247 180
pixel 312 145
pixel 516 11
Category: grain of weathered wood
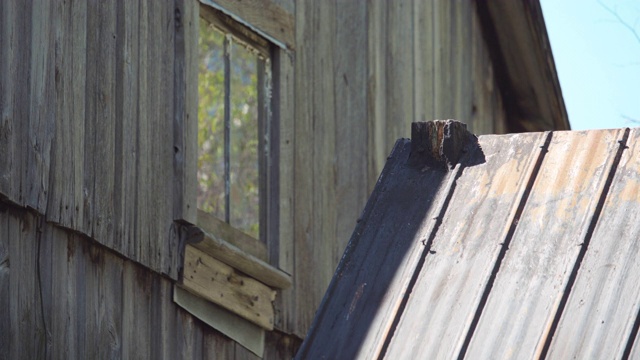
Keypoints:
pixel 231 325
pixel 217 282
pixel 5 283
pixel 185 97
pixel 44 269
pixel 265 16
pixel 95 304
pixel 101 97
pixel 360 305
pixel 126 126
pixel 15 98
pixel 303 168
pixel 399 70
pixel 190 336
pixel 66 193
pixel 324 158
pixel 26 336
pixel 534 272
pixel 529 79
pixel 282 248
pixel 603 303
pixel 136 311
pixel 282 254
pixel 102 295
pixel 167 320
pixel 143 146
pixel 42 104
pixel 216 346
pixel 217 248
pixel 226 232
pixel 64 325
pixel 281 345
pixel 465 248
pixel 377 145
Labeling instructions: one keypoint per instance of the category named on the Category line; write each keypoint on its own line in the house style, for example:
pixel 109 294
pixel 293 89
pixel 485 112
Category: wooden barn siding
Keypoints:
pixel 363 72
pixel 96 119
pixel 63 296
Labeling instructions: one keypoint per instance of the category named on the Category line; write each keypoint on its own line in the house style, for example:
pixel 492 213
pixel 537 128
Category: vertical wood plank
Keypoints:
pixel 164 320
pixel 136 311
pixel 41 106
pixel 185 109
pixel 126 130
pixel 190 337
pixel 423 59
pixel 27 335
pixel 14 154
pixel 64 324
pixel 216 346
pixel 144 156
pixel 351 141
pixel 5 283
pixel 103 296
pixel 378 147
pixel 314 139
pixel 282 252
pixel 103 97
pixel 66 185
pixel 399 70
pixel 304 210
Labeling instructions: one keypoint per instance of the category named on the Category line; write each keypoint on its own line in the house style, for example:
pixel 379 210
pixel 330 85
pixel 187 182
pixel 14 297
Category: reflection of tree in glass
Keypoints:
pixel 244 196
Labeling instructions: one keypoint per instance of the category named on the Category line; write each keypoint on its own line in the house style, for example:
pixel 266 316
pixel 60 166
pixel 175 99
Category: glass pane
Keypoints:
pixel 244 196
pixel 211 194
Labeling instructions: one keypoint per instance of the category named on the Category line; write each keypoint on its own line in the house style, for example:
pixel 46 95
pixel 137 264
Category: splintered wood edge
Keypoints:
pixel 216 247
pixel 221 284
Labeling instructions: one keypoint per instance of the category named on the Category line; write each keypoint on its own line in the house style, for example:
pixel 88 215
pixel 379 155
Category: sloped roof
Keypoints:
pixel 526 246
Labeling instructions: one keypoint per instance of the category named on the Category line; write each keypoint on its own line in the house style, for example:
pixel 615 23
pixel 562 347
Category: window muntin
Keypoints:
pixel 233 127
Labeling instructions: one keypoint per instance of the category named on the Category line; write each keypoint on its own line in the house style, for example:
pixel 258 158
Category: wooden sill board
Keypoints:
pixel 216 247
pixel 221 284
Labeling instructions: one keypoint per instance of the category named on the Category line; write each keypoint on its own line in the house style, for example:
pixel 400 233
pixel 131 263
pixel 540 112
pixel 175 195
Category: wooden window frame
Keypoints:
pixel 215 247
pixel 268 142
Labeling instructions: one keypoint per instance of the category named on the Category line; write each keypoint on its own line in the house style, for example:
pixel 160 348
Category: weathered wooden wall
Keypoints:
pixel 97 115
pixel 63 296
pixel 98 135
pixel 363 72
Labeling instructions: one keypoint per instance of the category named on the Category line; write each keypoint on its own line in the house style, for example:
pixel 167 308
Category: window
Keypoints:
pixel 234 124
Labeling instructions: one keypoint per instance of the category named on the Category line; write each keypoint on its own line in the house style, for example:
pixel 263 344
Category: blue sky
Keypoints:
pixel 597 59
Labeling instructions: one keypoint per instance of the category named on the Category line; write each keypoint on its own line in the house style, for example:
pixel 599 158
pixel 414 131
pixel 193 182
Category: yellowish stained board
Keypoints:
pixel 223 285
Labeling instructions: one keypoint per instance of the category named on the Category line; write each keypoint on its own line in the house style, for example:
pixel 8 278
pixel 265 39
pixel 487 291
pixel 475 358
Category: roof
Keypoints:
pixel 524 247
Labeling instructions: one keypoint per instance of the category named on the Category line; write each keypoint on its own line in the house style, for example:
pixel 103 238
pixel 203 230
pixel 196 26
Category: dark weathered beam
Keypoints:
pixel 523 63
